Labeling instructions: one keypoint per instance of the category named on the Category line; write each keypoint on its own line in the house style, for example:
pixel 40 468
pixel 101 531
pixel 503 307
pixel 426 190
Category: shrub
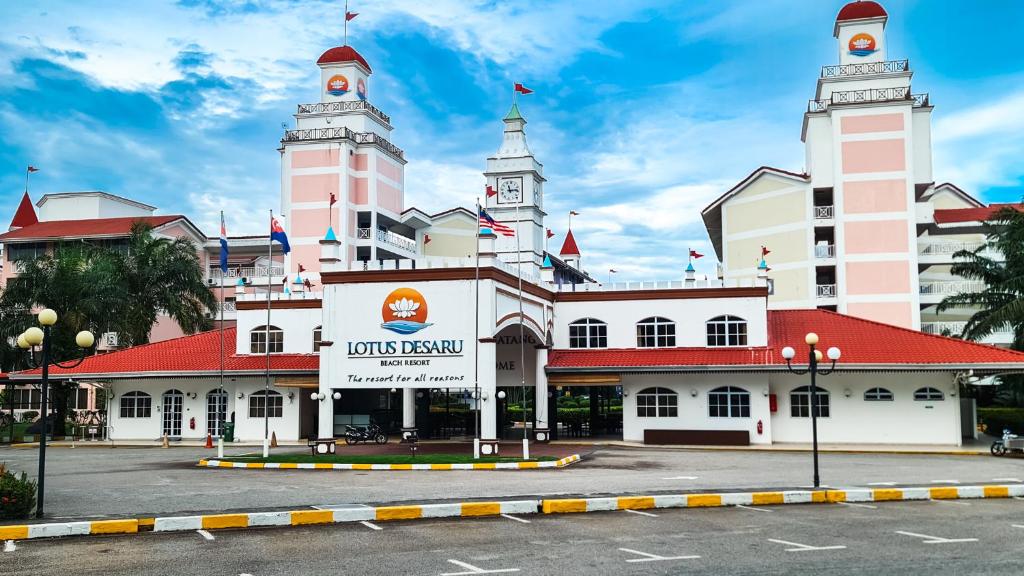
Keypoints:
pixel 17 495
pixel 995 420
pixel 29 416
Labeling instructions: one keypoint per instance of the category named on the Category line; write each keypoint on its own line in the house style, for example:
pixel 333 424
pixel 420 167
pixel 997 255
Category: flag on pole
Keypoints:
pixel 486 221
pixel 277 233
pixel 573 213
pixel 426 239
pixel 32 169
pixel 350 15
pixel 695 254
pixel 549 233
pixel 223 245
pixel 333 200
pixel 612 271
pixel 490 191
pixel 301 268
pixel 522 89
pixel 765 251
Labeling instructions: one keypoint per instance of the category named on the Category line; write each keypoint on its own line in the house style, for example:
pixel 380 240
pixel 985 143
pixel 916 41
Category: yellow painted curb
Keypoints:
pixel 481 508
pixel 399 513
pixel 564 506
pixel 764 498
pixel 19 532
pixel 219 521
pixel 114 527
pixel 941 493
pixel 703 500
pixel 636 502
pixel 303 517
pixel 996 491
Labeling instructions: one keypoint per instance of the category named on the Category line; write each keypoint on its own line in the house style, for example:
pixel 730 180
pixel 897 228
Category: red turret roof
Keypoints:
pixel 569 246
pixel 26 214
pixel 343 54
pixel 858 10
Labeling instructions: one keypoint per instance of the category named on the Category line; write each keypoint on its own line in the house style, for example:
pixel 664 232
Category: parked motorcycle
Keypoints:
pixel 373 432
pixel 1010 442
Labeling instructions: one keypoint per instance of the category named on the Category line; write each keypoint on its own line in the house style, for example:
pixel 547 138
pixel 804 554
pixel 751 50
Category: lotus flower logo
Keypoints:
pixel 337 85
pixel 862 44
pixel 404 311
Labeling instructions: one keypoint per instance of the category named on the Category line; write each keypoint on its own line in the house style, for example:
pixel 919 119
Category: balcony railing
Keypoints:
pixel 332 107
pixel 950 287
pixel 946 248
pixel 387 237
pixel 955 328
pixel 314 134
pixel 823 213
pixel 826 290
pixel 887 67
pixel 825 251
pixel 869 95
pixel 246 272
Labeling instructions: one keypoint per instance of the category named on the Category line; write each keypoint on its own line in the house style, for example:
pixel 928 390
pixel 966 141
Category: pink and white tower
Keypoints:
pixel 868 145
pixel 340 149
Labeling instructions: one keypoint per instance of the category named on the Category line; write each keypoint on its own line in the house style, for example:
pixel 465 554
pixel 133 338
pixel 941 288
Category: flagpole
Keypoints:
pixel 28 171
pixel 476 339
pixel 266 383
pixel 522 331
pixel 346 24
pixel 220 393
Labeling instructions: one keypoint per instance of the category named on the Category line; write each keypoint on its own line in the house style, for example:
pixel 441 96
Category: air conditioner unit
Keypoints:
pixel 210 282
pixel 108 341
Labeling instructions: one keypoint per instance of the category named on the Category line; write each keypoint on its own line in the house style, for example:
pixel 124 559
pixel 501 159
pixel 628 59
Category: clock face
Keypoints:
pixel 510 191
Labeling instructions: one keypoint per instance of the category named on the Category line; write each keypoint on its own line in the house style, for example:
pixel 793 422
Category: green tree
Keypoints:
pixel 1001 302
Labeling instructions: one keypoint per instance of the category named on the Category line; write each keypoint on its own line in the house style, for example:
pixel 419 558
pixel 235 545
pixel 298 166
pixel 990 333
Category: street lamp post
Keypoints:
pixel 38 340
pixel 813 357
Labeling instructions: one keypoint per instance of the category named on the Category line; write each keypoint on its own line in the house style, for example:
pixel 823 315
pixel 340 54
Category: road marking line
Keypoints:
pixel 9 546
pixel 1017 525
pixel 475 569
pixel 1006 479
pixel 654 557
pixel 945 481
pixel 881 483
pixel 511 517
pixel 926 539
pixel 205 534
pixel 957 502
pixel 370 525
pixel 804 547
pixel 755 509
pixel 857 505
pixel 640 512
pixel 1018 497
pixel 681 478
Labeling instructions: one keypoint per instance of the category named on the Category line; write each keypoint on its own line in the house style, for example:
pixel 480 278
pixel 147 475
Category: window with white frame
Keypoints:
pixel 727 331
pixel 928 394
pixel 878 395
pixel 136 404
pixel 266 404
pixel 26 398
pixel 657 403
pixel 655 332
pixel 588 333
pixel 729 402
pixel 258 340
pixel 800 402
pixel 318 333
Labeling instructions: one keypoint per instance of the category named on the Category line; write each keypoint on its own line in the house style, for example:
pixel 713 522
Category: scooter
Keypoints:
pixel 372 432
pixel 1010 442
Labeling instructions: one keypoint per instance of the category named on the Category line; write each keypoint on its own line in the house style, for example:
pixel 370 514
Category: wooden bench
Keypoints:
pixel 322 446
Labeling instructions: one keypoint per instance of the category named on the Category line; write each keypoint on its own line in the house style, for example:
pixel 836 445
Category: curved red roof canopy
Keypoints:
pixel 858 10
pixel 343 54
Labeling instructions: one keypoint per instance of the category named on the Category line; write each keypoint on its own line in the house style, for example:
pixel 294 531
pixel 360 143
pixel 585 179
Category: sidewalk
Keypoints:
pixel 969 448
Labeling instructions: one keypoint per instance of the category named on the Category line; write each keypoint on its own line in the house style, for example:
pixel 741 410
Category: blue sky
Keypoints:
pixel 644 111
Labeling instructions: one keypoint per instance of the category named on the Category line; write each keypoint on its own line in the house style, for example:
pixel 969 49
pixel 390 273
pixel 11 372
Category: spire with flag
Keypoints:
pixel 349 16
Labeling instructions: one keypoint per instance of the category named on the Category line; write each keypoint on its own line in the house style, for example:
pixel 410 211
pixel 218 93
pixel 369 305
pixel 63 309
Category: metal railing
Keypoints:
pixel 254 272
pixel 955 328
pixel 868 95
pixel 823 212
pixel 887 67
pixel 826 290
pixel 352 106
pixel 950 287
pixel 946 248
pixel 387 237
pixel 313 134
pixel 825 251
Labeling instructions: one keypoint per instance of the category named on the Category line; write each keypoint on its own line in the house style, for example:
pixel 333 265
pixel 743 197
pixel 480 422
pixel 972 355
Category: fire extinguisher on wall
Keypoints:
pixel 192 424
pixel 760 427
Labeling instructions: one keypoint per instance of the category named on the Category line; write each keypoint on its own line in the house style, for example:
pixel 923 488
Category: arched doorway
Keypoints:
pixel 516 377
pixel 173 401
pixel 216 411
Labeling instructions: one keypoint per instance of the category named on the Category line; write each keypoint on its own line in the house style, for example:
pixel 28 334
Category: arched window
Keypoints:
pixel 729 402
pixel 800 402
pixel 655 332
pixel 216 410
pixel 727 331
pixel 878 395
pixel 258 340
pixel 136 404
pixel 657 403
pixel 588 333
pixel 928 394
pixel 318 334
pixel 263 403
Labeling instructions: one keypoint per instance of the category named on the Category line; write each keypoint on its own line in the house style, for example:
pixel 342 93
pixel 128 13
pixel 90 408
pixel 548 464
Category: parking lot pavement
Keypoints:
pixel 979 537
pixel 97 482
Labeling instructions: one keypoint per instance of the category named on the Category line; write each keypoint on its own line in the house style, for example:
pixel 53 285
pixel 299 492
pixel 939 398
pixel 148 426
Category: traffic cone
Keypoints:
pixel 273 439
pixel 209 440
pixel 165 443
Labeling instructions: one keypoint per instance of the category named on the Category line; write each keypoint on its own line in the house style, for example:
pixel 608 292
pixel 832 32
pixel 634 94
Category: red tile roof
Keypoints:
pixel 952 215
pixel 342 54
pixel 863 343
pixel 197 354
pixel 26 213
pixel 96 227
pixel 858 10
pixel 569 247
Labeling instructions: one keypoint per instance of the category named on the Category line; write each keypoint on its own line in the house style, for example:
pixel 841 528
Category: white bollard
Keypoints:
pixel 526 449
pixel 266 448
pixel 476 448
pixel 220 447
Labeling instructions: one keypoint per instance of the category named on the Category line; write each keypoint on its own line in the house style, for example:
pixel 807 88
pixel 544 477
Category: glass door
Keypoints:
pixel 173 401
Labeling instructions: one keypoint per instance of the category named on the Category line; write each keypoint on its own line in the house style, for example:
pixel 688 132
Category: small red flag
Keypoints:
pixel 522 89
pixel 491 191
pixel 301 268
pixel 573 213
pixel 613 271
pixel 350 15
pixel 333 201
pixel 426 239
pixel 550 233
pixel 695 254
pixel 765 251
pixel 33 169
pixel 307 284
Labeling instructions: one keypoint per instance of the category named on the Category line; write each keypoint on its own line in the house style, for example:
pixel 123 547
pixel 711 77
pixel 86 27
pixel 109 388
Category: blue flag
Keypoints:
pixel 223 245
pixel 277 233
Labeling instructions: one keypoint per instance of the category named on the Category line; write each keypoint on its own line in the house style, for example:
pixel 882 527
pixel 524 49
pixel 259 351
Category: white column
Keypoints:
pixel 488 389
pixel 540 401
pixel 408 408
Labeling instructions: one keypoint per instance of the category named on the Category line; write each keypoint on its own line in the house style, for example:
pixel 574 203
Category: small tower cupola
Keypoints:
pixel 860 32
pixel 513 143
pixel 344 75
pixel 25 215
pixel 570 253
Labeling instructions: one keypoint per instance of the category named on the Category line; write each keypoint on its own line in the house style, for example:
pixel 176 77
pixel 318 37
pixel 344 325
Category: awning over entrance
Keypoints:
pixel 297 382
pixel 583 379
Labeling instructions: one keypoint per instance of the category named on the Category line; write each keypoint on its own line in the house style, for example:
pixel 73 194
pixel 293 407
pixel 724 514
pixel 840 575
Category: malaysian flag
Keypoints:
pixel 487 222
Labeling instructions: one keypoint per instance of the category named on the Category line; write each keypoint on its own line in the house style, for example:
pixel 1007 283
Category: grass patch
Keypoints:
pixel 385 459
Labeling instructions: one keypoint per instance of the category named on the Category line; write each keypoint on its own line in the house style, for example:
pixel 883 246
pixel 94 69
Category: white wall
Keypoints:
pixel 87 206
pixel 854 420
pixel 297 324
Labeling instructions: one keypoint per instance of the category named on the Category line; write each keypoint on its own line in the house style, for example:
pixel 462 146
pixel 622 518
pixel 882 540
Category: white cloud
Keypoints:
pixel 433 186
pixel 980 147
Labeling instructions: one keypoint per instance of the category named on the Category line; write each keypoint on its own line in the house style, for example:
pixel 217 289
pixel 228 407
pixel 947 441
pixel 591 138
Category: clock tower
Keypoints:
pixel 518 179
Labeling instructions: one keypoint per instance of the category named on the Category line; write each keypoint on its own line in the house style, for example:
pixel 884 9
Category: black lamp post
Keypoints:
pixel 813 357
pixel 38 343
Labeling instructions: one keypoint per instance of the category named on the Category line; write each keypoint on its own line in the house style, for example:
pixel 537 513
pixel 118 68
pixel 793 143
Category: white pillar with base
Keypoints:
pixel 488 401
pixel 408 413
pixel 542 429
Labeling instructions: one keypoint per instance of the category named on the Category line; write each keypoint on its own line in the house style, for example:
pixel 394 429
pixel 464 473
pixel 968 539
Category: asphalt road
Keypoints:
pixel 905 538
pixel 97 482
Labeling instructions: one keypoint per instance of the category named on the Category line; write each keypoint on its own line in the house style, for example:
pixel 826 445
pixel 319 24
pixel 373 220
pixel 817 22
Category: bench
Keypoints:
pixel 322 446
